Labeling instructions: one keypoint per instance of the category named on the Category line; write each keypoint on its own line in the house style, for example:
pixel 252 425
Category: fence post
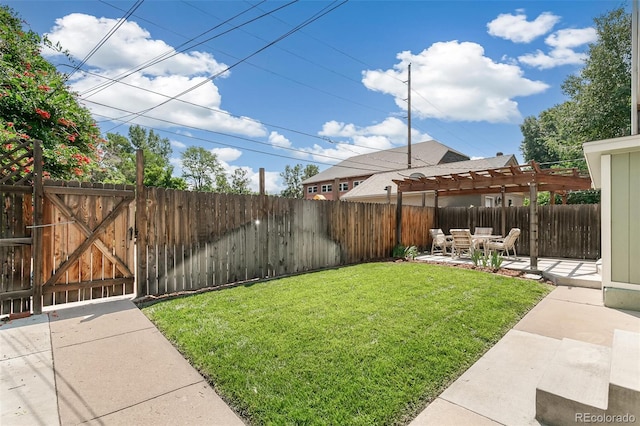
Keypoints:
pixel 141 227
pixel 36 246
pixel 399 218
pixel 261 175
pixel 533 226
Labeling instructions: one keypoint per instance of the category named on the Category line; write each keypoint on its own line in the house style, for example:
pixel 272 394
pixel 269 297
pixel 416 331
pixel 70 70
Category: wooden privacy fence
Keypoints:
pixel 571 231
pixel 195 240
pixel 65 241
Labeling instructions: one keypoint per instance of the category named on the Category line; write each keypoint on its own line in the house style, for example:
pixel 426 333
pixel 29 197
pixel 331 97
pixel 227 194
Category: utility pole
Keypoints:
pixel 409 119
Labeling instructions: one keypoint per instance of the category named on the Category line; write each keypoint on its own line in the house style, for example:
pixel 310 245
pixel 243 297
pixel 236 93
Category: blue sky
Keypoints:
pixel 266 84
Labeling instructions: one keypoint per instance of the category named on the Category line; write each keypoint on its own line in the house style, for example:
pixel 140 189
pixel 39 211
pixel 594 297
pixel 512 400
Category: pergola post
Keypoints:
pixel 437 214
pixel 533 226
pixel 503 211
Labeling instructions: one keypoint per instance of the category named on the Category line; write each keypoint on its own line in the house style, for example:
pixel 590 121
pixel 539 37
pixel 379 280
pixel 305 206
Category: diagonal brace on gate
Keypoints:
pixel 92 237
pixel 87 232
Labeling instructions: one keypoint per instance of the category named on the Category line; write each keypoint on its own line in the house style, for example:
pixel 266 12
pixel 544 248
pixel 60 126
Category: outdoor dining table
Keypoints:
pixel 483 239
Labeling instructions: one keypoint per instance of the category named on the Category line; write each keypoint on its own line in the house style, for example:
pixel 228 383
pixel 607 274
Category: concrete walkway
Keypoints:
pixel 100 363
pixel 500 388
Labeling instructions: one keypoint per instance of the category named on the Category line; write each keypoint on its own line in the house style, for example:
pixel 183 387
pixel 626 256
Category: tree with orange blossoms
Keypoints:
pixel 35 103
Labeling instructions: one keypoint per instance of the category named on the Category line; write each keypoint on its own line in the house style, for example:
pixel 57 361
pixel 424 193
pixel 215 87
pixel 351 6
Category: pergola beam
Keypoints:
pixel 483 181
pixel 526 178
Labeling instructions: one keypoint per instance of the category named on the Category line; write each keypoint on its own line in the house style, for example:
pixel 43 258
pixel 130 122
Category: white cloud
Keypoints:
pixel 572 37
pixel 227 154
pixel 126 49
pixel 458 82
pixel 363 140
pixel 178 144
pixel 517 29
pixel 176 162
pixel 562 43
pixel 279 141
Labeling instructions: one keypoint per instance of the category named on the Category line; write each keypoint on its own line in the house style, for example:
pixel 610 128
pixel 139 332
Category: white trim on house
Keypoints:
pixel 594 150
pixel 605 214
pixel 600 156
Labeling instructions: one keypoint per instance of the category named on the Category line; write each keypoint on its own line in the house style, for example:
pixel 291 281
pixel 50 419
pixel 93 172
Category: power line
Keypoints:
pixel 314 18
pixel 370 166
pixel 132 115
pixel 326 139
pixel 185 46
pixel 277 74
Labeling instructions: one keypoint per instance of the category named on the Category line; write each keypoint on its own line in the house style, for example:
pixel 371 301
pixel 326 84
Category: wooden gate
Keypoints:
pixel 60 242
pixel 87 241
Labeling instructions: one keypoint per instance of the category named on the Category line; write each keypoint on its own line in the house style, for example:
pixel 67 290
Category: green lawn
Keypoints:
pixel 359 345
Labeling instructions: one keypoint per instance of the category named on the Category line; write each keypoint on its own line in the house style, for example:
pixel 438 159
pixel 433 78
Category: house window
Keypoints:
pixel 312 189
pixel 326 188
pixel 488 201
pixel 344 186
pixel 357 182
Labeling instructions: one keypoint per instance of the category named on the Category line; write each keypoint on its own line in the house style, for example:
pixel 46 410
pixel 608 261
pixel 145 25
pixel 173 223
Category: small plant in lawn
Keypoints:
pixel 411 252
pixel 398 251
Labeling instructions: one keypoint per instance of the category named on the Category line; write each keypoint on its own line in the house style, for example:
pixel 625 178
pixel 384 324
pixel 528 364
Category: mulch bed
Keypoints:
pixel 501 271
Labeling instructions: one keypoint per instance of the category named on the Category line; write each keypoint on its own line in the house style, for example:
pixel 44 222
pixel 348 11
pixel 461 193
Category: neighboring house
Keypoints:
pixel 614 165
pixel 355 170
pixel 380 187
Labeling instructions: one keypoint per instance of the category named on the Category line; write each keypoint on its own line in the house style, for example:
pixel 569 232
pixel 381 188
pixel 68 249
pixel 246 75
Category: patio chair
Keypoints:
pixel 462 242
pixel 506 244
pixel 440 242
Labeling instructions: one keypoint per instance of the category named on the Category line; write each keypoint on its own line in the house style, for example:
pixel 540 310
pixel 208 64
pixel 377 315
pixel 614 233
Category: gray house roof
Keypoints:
pixel 423 154
pixel 375 185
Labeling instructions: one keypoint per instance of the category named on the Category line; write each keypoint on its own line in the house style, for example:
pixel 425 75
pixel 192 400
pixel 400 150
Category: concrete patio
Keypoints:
pixel 572 272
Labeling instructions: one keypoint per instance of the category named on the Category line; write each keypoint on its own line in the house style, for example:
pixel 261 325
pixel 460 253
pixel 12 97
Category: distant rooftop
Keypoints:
pixel 375 185
pixel 423 154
